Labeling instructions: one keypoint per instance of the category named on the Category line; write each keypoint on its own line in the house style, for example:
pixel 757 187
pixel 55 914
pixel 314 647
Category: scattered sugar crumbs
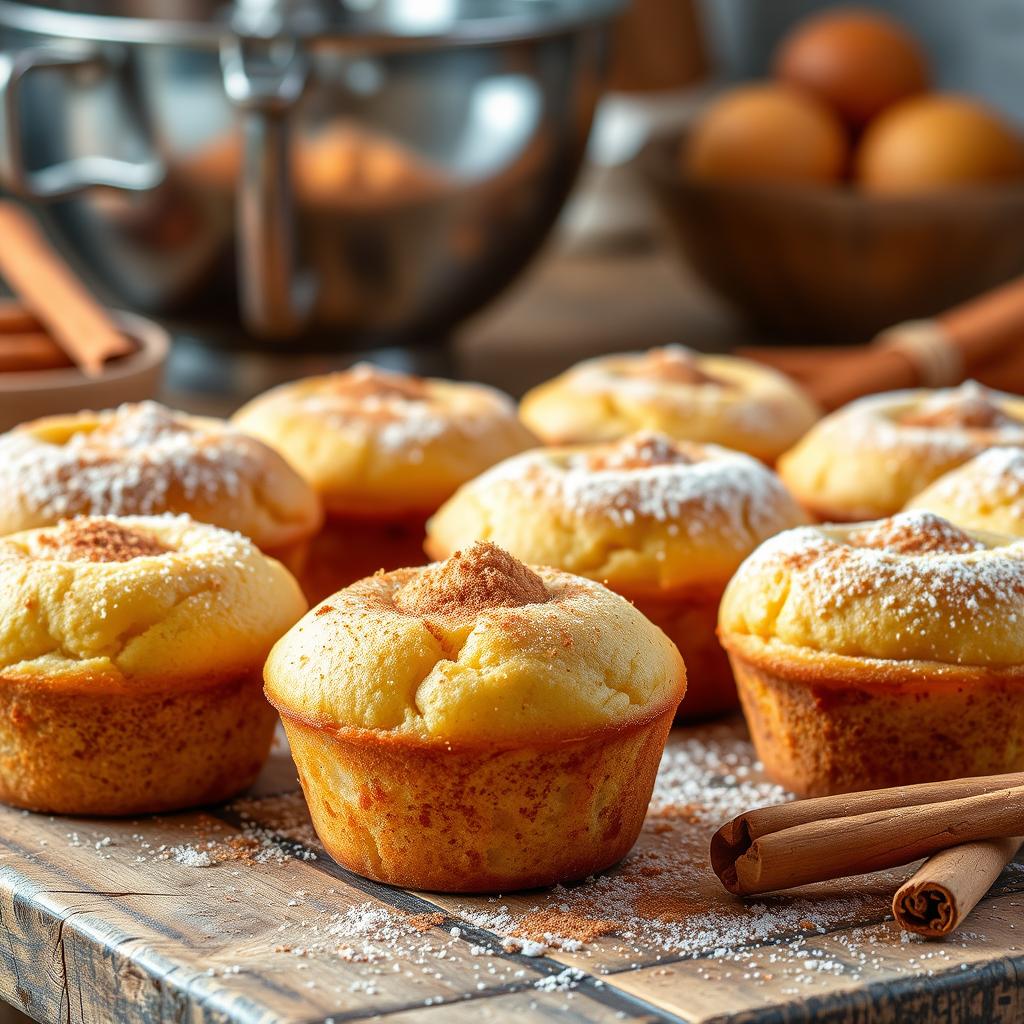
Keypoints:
pixel 662 907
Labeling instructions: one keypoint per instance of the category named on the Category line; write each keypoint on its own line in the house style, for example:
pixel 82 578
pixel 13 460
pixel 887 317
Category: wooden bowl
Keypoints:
pixel 828 263
pixel 132 378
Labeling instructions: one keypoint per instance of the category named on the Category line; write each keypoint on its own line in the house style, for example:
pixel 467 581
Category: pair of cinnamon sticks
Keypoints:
pixel 56 322
pixel 970 829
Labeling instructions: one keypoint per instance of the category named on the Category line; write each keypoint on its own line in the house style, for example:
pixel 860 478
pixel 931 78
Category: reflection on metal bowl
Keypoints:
pixel 369 171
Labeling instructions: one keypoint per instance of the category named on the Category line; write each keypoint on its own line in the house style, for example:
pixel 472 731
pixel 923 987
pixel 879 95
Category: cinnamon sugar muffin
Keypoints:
pixel 664 523
pixel 881 653
pixel 476 725
pixel 871 457
pixel 146 459
pixel 675 391
pixel 382 450
pixel 986 493
pixel 130 657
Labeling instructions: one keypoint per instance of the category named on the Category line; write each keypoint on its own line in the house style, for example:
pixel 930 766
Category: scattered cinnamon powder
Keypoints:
pixel 921 533
pixel 540 925
pixel 424 922
pixel 97 540
pixel 469 582
pixel 324 609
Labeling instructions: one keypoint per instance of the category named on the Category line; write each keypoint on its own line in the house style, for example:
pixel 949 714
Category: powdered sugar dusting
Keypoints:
pixel 404 413
pixel 704 488
pixel 128 464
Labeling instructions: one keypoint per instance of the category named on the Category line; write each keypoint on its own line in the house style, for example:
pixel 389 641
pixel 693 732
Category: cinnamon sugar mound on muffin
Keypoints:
pixel 639 451
pixel 366 381
pixel 915 534
pixel 98 540
pixel 469 582
pixel 674 364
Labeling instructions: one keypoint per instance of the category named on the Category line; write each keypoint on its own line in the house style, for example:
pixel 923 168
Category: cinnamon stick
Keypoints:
pixel 31 351
pixel 54 296
pixel 831 837
pixel 949 885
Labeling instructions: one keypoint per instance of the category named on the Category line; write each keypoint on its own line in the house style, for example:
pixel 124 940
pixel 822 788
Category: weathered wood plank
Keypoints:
pixel 117 921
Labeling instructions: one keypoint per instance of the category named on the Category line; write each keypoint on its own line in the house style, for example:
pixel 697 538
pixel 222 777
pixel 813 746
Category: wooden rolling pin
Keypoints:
pixel 983 337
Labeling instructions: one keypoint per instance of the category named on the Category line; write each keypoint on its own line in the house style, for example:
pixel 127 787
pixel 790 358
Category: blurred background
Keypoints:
pixel 496 188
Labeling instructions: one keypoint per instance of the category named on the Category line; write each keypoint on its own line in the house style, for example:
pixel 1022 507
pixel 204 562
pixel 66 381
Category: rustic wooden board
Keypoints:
pixel 121 921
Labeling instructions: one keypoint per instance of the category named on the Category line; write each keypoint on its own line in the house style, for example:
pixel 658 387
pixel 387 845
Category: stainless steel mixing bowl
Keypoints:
pixel 361 170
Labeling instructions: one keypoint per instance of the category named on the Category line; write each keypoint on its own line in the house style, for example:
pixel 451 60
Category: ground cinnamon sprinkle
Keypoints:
pixel 367 381
pixel 968 408
pixel 915 533
pixel 324 609
pixel 673 363
pixel 97 540
pixel 641 451
pixel 482 577
pixel 540 925
pixel 424 922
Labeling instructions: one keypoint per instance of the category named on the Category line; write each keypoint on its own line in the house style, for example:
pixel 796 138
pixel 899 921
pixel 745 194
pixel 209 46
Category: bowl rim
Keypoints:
pixel 154 343
pixel 567 16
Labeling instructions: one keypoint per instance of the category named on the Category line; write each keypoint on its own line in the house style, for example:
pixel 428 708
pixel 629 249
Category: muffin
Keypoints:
pixel 871 457
pixel 691 397
pixel 383 450
pixel 476 725
pixel 664 523
pixel 130 658
pixel 880 654
pixel 146 459
pixel 986 493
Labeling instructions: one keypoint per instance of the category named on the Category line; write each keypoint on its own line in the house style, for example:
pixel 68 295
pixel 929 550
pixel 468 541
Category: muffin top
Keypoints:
pixel 137 601
pixel 476 650
pixel 986 493
pixel 676 391
pixel 646 515
pixel 146 459
pixel 376 443
pixel 911 587
pixel 872 456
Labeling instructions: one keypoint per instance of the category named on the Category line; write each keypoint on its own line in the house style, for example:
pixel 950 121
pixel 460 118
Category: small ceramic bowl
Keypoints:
pixel 132 378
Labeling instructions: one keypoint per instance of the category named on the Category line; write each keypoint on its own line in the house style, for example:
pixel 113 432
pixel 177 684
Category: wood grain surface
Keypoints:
pixel 116 921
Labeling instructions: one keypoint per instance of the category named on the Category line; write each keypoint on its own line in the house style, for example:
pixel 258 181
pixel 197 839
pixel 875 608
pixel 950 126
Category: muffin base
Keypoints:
pixel 836 724
pixel 483 819
pixel 106 753
pixel 349 549
pixel 690 624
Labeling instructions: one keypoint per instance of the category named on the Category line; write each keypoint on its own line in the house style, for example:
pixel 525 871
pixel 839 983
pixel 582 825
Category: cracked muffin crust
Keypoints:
pixel 130 656
pixel 476 724
pixel 871 457
pixel 880 653
pixel 664 523
pixel 145 459
pixel 675 391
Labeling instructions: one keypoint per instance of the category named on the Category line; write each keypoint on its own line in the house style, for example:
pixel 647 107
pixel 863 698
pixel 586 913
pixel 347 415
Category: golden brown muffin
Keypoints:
pixel 986 493
pixel 881 653
pixel 382 450
pixel 476 725
pixel 675 391
pixel 664 523
pixel 871 457
pixel 130 657
pixel 146 459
